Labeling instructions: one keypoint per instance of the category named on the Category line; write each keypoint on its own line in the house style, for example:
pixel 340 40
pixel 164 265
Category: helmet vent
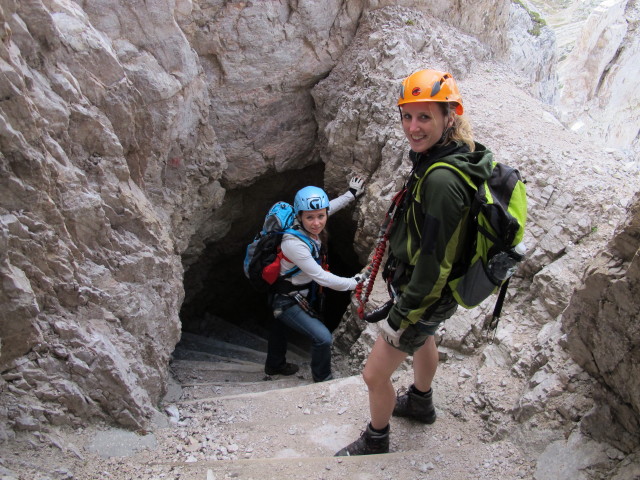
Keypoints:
pixel 436 88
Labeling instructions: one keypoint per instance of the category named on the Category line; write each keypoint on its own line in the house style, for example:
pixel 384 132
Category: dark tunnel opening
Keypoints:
pixel 215 285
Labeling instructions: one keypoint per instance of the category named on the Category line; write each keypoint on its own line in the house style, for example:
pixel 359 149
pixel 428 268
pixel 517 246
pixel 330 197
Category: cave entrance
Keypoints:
pixel 215 285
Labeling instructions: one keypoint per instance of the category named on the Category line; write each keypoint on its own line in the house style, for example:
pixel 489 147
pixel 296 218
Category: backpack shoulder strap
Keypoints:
pixel 310 243
pixel 481 190
pixel 467 179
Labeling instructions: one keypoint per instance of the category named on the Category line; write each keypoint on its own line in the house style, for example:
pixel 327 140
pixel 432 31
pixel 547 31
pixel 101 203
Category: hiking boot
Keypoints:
pixel 330 377
pixel 286 369
pixel 369 443
pixel 415 406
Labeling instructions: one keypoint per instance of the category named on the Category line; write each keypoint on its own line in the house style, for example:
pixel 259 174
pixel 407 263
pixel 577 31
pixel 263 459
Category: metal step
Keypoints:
pixel 207 367
pixel 237 343
pixel 214 348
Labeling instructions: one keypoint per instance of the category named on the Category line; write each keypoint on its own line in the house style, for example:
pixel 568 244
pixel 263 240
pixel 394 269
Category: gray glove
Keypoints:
pixel 363 276
pixel 356 186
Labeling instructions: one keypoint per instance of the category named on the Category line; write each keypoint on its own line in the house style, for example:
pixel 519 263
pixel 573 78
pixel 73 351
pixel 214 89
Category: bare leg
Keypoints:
pixel 425 364
pixel 382 362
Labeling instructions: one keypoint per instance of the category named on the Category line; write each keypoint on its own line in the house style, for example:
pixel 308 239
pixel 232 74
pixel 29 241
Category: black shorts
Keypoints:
pixel 415 335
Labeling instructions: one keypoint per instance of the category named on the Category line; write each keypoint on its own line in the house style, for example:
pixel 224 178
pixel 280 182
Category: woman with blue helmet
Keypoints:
pixel 293 301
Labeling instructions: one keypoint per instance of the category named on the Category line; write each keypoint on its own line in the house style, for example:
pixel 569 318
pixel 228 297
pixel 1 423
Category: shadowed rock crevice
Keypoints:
pixel 214 282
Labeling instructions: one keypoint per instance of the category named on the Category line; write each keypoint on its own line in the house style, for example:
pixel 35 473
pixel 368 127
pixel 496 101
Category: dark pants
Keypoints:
pixel 296 318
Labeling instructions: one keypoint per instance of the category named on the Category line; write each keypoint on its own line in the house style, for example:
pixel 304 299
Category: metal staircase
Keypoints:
pixel 231 362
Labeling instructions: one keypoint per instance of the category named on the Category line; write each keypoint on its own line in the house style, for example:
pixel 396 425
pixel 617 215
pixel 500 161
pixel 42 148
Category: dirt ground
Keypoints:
pixel 285 433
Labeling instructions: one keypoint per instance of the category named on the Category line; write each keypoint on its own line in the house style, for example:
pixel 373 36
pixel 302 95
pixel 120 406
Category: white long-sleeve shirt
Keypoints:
pixel 298 254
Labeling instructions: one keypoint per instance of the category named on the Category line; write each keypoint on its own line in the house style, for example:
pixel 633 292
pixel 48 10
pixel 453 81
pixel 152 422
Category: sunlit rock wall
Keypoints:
pixel 91 130
pixel 599 95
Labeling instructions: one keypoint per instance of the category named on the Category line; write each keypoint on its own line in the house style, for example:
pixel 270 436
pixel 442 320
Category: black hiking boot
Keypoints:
pixel 330 377
pixel 286 369
pixel 369 443
pixel 415 406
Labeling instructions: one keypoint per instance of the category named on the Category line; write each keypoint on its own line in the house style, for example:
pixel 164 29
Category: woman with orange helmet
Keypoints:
pixel 427 241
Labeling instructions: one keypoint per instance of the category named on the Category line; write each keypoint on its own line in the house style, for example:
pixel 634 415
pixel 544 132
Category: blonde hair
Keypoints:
pixel 461 130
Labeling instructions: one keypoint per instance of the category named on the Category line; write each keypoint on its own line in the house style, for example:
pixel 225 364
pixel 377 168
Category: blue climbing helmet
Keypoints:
pixel 310 198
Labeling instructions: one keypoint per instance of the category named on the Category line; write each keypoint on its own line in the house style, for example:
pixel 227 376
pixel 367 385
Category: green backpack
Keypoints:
pixel 497 219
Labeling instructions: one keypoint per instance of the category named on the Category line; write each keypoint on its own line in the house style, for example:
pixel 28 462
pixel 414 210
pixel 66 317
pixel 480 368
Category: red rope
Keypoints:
pixel 378 254
pixel 374 267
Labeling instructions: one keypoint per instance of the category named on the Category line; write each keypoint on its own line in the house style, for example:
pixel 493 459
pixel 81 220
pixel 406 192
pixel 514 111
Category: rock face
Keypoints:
pixel 535 54
pixel 603 332
pixel 131 131
pixel 595 75
pixel 91 280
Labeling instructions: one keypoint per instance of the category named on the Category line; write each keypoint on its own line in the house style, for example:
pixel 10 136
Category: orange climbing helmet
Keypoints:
pixel 431 86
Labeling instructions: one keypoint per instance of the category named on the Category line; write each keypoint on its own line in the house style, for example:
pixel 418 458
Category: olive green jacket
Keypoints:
pixel 430 233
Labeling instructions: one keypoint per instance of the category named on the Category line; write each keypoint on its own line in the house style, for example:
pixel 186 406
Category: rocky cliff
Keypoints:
pixel 595 76
pixel 603 333
pixel 140 141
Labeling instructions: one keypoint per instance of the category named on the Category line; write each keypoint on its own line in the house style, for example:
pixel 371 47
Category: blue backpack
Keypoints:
pixel 263 255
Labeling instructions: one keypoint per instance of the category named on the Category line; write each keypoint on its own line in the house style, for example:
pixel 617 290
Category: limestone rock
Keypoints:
pixel 532 51
pixel 130 134
pixel 89 267
pixel 595 96
pixel 260 60
pixel 571 459
pixel 602 322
